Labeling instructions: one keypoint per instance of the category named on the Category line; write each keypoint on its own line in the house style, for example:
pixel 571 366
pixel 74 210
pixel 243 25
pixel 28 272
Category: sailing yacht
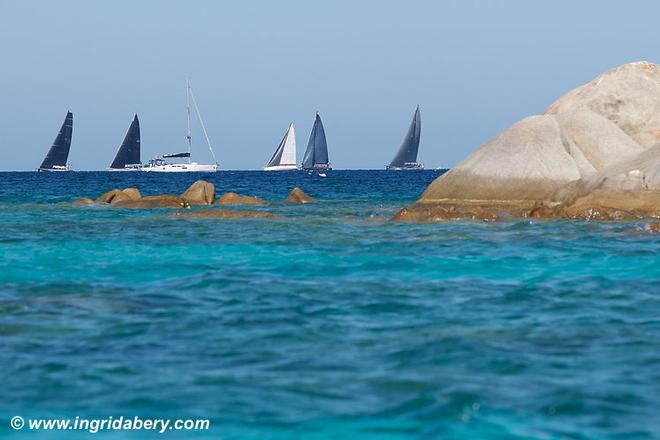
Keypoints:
pixel 284 158
pixel 162 165
pixel 128 155
pixel 316 155
pixel 406 157
pixel 56 159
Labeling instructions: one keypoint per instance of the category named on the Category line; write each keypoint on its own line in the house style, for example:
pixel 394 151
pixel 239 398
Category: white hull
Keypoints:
pixel 56 169
pixel 182 168
pixel 125 170
pixel 281 168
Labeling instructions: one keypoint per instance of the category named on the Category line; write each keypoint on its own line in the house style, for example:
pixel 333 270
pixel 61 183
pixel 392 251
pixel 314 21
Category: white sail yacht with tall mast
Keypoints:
pixel 163 165
pixel 284 158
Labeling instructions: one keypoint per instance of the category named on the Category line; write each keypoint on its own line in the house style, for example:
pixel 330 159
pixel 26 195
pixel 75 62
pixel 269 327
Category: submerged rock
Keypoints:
pixel 83 201
pixel 200 193
pixel 162 201
pixel 588 156
pixel 231 198
pixel 297 195
pixel 227 214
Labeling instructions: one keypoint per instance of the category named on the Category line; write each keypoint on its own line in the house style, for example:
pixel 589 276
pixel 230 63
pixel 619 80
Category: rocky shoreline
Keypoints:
pixel 594 154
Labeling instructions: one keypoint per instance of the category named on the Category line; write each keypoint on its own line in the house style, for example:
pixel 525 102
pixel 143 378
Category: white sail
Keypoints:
pixel 284 157
pixel 289 153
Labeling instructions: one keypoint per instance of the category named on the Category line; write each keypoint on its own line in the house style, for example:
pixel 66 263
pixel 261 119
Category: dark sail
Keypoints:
pixel 316 155
pixel 407 153
pixel 129 151
pixel 59 152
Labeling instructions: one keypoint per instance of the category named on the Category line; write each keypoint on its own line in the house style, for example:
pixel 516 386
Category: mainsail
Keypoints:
pixel 316 155
pixel 285 154
pixel 407 154
pixel 129 151
pixel 59 151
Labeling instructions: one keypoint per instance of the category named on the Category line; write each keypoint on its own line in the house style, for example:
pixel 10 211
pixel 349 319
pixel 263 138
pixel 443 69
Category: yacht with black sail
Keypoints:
pixel 128 155
pixel 164 163
pixel 406 157
pixel 284 158
pixel 316 155
pixel 58 155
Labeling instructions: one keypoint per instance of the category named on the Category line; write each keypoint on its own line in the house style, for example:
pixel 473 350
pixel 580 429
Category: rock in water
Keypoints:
pixel 552 159
pixel 83 201
pixel 227 214
pixel 200 193
pixel 107 197
pixel 133 193
pixel 117 195
pixel 231 198
pixel 162 201
pixel 297 195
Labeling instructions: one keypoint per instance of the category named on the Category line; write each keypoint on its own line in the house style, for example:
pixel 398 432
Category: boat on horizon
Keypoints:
pixel 162 165
pixel 316 155
pixel 406 157
pixel 284 158
pixel 128 155
pixel 58 154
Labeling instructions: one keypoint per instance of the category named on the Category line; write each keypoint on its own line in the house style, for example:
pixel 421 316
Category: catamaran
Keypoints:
pixel 128 155
pixel 56 159
pixel 162 165
pixel 406 157
pixel 284 158
pixel 316 155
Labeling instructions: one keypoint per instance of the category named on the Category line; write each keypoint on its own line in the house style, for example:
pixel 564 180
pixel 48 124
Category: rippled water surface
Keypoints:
pixel 329 323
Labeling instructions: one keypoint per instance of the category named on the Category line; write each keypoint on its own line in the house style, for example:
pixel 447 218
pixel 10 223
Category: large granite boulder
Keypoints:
pixel 200 193
pixel 297 195
pixel 578 142
pixel 626 190
pixel 231 198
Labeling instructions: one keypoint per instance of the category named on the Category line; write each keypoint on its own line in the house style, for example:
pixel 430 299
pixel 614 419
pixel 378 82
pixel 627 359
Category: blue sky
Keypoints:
pixel 475 67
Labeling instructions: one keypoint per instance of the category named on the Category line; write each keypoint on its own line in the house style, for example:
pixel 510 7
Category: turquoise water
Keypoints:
pixel 329 323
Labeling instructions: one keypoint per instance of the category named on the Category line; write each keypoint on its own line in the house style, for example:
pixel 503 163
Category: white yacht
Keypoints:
pixel 182 162
pixel 284 158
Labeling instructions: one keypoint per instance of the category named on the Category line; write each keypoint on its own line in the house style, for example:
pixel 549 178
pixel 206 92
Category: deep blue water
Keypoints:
pixel 329 323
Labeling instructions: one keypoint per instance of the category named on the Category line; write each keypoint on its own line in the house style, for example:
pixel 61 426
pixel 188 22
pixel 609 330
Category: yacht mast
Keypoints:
pixel 201 122
pixel 188 137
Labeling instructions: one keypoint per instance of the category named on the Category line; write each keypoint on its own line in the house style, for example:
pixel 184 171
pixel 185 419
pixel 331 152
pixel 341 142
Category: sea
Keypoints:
pixel 330 322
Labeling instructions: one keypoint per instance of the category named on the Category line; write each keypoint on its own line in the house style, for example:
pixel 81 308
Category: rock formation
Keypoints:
pixel 162 201
pixel 591 151
pixel 133 193
pixel 200 193
pixel 297 195
pixel 231 198
pixel 117 195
